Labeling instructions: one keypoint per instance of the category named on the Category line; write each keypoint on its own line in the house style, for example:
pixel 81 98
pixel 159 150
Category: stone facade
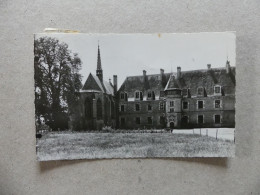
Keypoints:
pixel 188 99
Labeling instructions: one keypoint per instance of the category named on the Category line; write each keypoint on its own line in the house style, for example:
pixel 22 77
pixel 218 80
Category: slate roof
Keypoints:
pixel 207 78
pixel 94 84
pixel 154 82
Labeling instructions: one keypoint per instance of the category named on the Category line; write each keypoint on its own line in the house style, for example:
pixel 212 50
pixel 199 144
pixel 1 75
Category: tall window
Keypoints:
pixel 217 103
pixel 149 107
pixel 88 108
pixel 200 119
pixel 122 95
pixel 171 109
pixel 137 120
pixel 137 107
pixel 217 119
pixel 99 109
pixel 149 120
pixel 122 108
pixel 200 104
pixel 171 103
pixel 185 105
pixel 161 106
pixel 217 90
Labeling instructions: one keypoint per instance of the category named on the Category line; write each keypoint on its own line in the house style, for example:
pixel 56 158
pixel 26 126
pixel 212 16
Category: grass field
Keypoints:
pixel 57 146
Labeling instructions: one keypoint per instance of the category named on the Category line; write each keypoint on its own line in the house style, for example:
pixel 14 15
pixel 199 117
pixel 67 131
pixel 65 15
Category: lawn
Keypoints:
pixel 57 146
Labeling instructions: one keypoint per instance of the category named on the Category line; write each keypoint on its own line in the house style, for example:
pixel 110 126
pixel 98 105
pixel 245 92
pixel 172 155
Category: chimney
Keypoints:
pixel 115 83
pixel 227 67
pixel 144 73
pixel 209 66
pixel 162 71
pixel 178 72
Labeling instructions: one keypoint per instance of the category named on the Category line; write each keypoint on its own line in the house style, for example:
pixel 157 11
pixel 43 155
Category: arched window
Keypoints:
pixel 88 108
pixel 99 109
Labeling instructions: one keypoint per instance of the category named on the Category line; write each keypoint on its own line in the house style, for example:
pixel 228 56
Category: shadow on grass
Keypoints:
pixel 213 161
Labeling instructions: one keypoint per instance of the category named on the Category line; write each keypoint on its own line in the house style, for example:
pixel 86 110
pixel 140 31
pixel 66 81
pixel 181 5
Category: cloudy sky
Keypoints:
pixel 129 54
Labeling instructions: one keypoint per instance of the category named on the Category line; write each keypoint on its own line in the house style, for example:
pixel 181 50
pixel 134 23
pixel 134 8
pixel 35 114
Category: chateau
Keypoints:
pixel 184 99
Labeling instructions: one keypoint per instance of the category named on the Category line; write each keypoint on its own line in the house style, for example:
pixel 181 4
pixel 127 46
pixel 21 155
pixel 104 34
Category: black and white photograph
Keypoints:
pixel 134 95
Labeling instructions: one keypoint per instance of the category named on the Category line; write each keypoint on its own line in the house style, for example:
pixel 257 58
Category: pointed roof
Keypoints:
pixel 99 67
pixel 172 83
pixel 94 84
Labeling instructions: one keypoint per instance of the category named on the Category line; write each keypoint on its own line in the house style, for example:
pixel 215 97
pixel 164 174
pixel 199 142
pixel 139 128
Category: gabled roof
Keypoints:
pixel 94 84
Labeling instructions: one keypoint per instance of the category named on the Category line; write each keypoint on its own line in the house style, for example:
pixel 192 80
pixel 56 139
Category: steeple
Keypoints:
pixel 99 71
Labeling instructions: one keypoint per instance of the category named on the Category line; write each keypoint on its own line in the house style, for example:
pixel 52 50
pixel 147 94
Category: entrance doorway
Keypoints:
pixel 172 125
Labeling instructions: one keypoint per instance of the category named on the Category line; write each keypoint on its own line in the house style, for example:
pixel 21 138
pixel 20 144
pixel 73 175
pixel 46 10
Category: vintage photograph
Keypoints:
pixel 134 95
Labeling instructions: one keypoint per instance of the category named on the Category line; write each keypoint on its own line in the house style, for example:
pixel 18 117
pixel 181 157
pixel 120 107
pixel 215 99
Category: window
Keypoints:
pixel 137 120
pixel 122 108
pixel 149 107
pixel 184 105
pixel 149 120
pixel 139 95
pixel 171 109
pixel 122 96
pixel 217 119
pixel 88 108
pixel 161 106
pixel 200 91
pixel 137 107
pixel 171 103
pixel 200 104
pixel 99 109
pixel 217 90
pixel 149 94
pixel 217 103
pixel 200 119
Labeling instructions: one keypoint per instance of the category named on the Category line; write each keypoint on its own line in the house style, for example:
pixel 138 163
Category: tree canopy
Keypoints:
pixel 57 81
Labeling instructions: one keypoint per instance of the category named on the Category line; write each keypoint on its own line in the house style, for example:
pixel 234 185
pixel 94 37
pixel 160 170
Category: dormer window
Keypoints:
pixel 150 95
pixel 123 96
pixel 138 95
pixel 217 90
pixel 200 91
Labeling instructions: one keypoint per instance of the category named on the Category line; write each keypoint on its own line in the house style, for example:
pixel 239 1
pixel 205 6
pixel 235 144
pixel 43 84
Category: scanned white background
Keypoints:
pixel 20 173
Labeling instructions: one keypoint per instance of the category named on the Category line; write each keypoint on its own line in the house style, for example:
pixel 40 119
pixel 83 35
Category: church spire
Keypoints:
pixel 99 71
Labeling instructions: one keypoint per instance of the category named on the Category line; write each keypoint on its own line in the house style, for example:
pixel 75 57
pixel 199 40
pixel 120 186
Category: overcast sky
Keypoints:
pixel 129 54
